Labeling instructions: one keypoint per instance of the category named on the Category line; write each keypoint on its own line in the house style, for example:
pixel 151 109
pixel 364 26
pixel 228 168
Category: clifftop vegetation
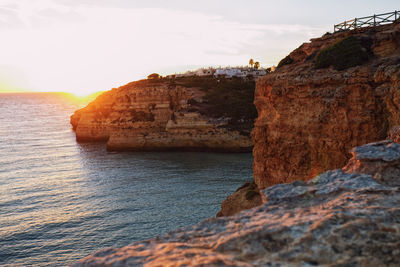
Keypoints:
pixel 231 99
pixel 343 54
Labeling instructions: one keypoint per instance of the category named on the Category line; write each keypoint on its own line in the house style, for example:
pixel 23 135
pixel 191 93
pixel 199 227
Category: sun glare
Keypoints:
pixel 83 99
pixel 83 49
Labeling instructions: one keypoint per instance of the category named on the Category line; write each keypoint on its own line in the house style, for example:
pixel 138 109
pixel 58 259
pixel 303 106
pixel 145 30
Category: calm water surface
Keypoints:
pixel 60 201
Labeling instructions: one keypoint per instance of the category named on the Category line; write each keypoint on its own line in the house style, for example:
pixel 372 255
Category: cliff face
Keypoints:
pixel 156 115
pixel 309 118
pixel 348 217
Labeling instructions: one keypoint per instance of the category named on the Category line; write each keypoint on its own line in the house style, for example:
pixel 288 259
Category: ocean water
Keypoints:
pixel 60 200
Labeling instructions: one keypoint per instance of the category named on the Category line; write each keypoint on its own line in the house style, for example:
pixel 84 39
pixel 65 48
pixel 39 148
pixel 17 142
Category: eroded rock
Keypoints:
pixel 308 119
pixel 246 197
pixel 156 116
pixel 381 160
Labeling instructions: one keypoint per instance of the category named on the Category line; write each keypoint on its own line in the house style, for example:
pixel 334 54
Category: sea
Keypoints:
pixel 61 200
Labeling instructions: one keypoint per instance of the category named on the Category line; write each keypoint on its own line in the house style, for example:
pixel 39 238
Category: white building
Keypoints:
pixel 229 73
pixel 239 72
pixel 204 72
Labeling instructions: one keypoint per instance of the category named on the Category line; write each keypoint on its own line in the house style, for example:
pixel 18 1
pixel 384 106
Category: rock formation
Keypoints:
pixel 348 217
pixel 156 115
pixel 309 118
pixel 246 197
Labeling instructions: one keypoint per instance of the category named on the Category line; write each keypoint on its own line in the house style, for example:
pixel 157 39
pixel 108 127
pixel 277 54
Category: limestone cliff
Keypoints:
pixel 309 118
pixel 157 115
pixel 348 217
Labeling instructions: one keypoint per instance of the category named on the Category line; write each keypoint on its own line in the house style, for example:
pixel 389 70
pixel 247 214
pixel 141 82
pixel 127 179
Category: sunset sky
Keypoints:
pixel 83 46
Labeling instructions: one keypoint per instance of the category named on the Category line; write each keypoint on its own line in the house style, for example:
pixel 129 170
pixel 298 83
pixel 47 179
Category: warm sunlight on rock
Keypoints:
pixel 126 127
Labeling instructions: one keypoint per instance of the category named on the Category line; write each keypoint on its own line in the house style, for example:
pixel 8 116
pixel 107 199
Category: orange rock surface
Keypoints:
pixel 246 197
pixel 153 115
pixel 308 119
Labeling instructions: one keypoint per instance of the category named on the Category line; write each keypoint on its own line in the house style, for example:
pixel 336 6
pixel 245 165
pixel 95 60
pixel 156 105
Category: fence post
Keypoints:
pixel 348 25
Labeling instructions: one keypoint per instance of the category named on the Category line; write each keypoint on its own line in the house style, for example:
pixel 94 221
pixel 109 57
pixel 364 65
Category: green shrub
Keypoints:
pixel 286 61
pixel 233 99
pixel 229 98
pixel 343 54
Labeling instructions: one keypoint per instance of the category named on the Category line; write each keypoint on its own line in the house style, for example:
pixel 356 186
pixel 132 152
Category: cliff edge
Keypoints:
pixel 337 92
pixel 169 115
pixel 344 217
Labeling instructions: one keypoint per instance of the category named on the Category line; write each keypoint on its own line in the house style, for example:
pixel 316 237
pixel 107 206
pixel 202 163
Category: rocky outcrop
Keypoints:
pixel 246 197
pixel 309 118
pixel 379 160
pixel 156 115
pixel 348 217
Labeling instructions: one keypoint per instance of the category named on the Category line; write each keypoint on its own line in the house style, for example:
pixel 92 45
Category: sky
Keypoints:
pixel 84 46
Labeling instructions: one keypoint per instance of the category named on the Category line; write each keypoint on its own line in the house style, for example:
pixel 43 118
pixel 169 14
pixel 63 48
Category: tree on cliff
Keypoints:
pixel 256 65
pixel 154 76
pixel 251 62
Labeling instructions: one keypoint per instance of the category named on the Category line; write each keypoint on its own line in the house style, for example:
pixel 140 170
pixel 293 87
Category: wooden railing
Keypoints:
pixel 370 21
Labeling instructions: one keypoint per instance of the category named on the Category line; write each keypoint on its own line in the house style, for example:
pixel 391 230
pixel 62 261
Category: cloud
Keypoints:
pixel 82 48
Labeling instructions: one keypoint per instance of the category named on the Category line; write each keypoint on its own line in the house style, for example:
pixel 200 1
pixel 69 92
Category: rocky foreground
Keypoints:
pixel 343 217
